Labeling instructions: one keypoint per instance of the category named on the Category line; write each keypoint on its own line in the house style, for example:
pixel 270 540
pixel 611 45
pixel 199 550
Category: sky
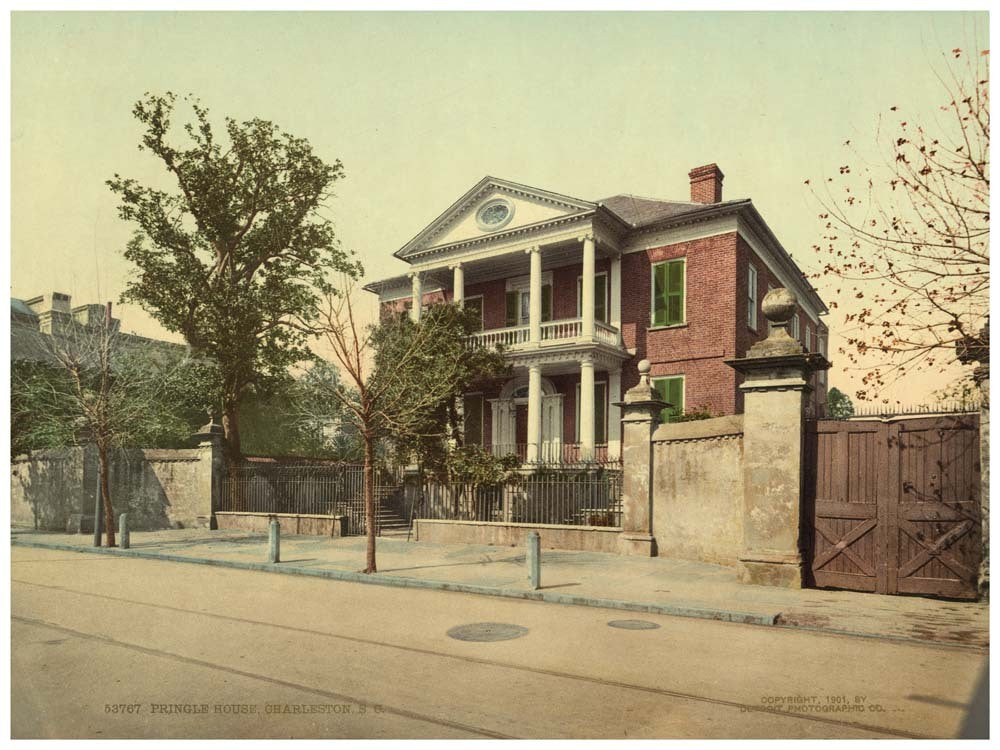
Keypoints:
pixel 420 106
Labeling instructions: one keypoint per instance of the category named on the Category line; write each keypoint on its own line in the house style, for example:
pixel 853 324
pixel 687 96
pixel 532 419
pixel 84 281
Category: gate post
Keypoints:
pixel 209 441
pixel 640 417
pixel 776 384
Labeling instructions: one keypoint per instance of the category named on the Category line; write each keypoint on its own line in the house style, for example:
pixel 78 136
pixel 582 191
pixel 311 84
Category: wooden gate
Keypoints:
pixel 894 505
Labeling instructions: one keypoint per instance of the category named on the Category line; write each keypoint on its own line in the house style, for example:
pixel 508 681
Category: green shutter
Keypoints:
pixel 473 413
pixel 675 292
pixel 671 390
pixel 512 310
pixel 546 302
pixel 660 294
pixel 601 298
pixel 600 403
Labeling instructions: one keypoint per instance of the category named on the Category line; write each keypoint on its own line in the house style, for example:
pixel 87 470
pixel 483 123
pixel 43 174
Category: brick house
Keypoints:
pixel 580 291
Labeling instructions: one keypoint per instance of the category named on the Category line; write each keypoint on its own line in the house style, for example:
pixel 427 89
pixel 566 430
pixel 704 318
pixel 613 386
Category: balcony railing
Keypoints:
pixel 568 329
pixel 555 454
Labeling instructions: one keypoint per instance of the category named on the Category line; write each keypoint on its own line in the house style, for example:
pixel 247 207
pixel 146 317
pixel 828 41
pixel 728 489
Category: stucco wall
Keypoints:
pixel 291 523
pixel 586 538
pixel 158 488
pixel 698 489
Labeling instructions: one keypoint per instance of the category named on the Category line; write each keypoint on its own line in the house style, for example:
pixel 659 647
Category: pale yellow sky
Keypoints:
pixel 420 106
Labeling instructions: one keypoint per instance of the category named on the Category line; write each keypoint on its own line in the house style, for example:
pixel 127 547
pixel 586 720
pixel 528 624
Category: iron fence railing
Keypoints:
pixel 886 411
pixel 331 489
pixel 587 498
pixel 555 454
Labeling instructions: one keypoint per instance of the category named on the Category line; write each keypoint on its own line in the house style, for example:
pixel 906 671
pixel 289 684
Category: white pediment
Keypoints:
pixel 513 206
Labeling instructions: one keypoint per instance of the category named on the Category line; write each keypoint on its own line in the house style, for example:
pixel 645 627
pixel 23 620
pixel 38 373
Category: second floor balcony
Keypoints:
pixel 553 333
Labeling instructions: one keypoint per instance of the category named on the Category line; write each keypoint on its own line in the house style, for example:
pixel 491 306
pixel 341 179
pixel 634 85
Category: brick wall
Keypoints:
pixel 696 349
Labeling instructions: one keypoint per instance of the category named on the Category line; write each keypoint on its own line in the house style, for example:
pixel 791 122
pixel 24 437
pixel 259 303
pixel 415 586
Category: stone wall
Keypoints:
pixel 159 489
pixel 698 489
pixel 586 538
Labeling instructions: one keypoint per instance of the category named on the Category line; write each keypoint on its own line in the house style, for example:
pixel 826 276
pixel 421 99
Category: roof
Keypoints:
pixel 18 306
pixel 639 212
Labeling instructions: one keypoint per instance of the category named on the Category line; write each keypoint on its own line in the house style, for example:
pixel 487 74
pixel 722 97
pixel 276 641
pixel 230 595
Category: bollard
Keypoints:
pixel 123 539
pixel 534 558
pixel 274 542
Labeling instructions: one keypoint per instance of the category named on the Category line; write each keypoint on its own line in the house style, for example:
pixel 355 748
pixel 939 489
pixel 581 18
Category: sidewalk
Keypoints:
pixel 587 578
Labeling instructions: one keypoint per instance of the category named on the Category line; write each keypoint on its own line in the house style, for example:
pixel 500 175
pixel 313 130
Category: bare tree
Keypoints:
pixel 93 384
pixel 399 377
pixel 907 238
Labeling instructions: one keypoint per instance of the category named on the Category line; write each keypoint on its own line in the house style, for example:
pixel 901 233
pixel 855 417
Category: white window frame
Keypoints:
pixel 796 330
pixel 522 285
pixel 607 297
pixel 752 301
pixel 576 422
pixel 652 293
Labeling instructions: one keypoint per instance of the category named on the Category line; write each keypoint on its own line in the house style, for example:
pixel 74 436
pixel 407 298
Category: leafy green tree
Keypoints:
pixel 92 384
pixel 838 404
pixel 237 258
pixel 401 380
pixel 298 417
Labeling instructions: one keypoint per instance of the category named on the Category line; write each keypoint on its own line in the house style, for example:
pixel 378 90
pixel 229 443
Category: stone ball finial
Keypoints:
pixel 779 305
pixel 644 368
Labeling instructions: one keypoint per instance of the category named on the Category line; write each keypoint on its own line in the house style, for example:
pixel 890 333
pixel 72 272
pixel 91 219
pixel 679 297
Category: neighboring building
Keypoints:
pixel 580 291
pixel 33 321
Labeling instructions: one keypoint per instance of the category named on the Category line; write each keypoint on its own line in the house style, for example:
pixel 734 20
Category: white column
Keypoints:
pixel 458 285
pixel 614 413
pixel 534 411
pixel 587 302
pixel 587 406
pixel 418 296
pixel 615 281
pixel 535 296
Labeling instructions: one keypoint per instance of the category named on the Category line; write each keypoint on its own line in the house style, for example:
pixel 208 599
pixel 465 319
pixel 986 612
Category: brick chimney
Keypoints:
pixel 706 184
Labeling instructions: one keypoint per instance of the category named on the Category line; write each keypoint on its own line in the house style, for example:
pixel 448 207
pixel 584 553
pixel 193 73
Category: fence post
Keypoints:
pixel 776 374
pixel 274 542
pixel 123 535
pixel 534 558
pixel 640 416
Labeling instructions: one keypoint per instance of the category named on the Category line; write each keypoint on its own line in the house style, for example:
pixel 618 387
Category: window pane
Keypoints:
pixel 511 319
pixel 601 298
pixel 676 277
pixel 546 302
pixel 525 307
pixel 600 399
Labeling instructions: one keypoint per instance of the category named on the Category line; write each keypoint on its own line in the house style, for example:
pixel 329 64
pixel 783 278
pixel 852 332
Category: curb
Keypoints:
pixel 704 613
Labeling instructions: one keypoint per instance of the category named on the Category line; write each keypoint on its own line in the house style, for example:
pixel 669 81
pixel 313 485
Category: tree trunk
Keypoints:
pixel 370 504
pixel 231 427
pixel 105 490
pixel 232 451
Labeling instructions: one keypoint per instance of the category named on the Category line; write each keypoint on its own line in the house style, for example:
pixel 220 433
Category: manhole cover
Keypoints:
pixel 633 624
pixel 487 631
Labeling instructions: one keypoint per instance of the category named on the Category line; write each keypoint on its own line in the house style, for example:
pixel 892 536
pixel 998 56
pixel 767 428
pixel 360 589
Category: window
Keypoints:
pixel 752 297
pixel 600 297
pixel 472 409
pixel 807 340
pixel 668 293
pixel 671 390
pixel 795 327
pixel 519 306
pixel 476 304
pixel 600 413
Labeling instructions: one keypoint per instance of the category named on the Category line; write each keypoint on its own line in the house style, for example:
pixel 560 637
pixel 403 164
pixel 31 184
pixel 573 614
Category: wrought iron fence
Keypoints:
pixel 887 411
pixel 556 454
pixel 577 498
pixel 322 489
